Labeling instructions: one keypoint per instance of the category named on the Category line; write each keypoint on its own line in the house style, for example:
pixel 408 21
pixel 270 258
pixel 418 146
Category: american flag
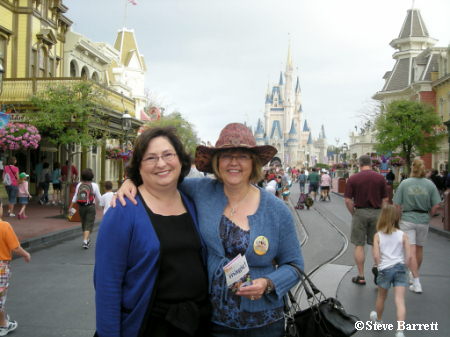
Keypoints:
pixel 133 2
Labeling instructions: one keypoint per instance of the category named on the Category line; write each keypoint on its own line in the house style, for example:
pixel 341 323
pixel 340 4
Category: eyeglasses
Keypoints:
pixel 241 158
pixel 153 160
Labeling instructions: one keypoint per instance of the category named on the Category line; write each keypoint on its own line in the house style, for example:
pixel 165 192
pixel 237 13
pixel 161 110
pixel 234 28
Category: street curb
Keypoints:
pixel 435 230
pixel 53 238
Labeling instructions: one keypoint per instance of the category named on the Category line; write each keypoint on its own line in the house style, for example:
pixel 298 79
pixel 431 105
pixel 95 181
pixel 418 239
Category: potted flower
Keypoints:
pixel 113 153
pixel 396 161
pixel 19 136
pixel 376 162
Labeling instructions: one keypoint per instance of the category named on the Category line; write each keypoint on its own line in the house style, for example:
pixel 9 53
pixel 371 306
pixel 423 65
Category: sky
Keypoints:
pixel 212 60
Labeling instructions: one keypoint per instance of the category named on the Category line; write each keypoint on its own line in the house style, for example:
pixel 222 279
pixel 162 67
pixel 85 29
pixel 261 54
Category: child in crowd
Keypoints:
pixel 56 182
pixel 391 254
pixel 85 195
pixel 105 200
pixel 8 244
pixel 24 195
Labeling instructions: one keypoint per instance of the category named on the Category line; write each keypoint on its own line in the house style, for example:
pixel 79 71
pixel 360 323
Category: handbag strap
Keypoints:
pixel 310 289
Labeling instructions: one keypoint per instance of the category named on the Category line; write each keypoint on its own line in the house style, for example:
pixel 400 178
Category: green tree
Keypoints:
pixel 407 127
pixel 185 130
pixel 67 115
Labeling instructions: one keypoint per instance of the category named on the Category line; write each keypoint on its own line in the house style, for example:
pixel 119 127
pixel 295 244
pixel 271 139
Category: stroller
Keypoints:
pixel 304 200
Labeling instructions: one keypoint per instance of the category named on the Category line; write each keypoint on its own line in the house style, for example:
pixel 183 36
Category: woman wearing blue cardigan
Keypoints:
pixel 150 260
pixel 236 217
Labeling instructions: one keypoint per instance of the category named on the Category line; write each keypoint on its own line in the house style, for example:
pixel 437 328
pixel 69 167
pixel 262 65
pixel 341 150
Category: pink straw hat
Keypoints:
pixel 234 135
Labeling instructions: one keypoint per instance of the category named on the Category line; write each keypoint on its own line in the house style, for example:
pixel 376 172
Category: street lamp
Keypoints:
pixel 126 126
pixel 447 124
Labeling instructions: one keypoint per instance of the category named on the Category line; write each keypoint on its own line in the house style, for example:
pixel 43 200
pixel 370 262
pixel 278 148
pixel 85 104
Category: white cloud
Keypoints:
pixel 212 59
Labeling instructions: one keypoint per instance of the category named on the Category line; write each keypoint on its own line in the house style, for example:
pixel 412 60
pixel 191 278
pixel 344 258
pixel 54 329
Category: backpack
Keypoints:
pixel 85 195
pixel 302 179
pixel 7 181
pixel 48 177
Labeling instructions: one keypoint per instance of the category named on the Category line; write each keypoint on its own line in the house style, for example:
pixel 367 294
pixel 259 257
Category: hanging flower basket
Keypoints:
pixel 113 153
pixel 19 136
pixel 396 161
pixel 125 155
pixel 376 162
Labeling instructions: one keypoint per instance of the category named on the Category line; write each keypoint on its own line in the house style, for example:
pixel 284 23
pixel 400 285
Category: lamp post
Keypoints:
pixel 2 71
pixel 126 126
pixel 447 124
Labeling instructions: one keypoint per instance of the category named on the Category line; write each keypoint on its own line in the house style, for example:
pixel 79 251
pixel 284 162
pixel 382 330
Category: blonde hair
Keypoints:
pixel 255 176
pixel 388 219
pixel 417 169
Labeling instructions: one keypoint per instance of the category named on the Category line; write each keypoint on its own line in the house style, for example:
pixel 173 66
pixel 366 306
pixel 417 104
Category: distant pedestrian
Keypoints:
pixel 313 180
pixel 105 200
pixel 418 199
pixel 12 188
pixel 391 254
pixel 302 181
pixel 37 174
pixel 325 185
pixel 45 180
pixel 65 172
pixel 8 244
pixel 85 195
pixel 24 195
pixel 365 194
pixel 56 182
pixel 390 177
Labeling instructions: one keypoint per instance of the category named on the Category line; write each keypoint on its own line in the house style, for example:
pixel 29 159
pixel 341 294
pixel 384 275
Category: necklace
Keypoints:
pixel 234 209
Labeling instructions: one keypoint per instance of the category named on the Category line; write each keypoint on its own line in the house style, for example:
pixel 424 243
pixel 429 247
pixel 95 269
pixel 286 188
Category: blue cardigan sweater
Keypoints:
pixel 272 220
pixel 126 268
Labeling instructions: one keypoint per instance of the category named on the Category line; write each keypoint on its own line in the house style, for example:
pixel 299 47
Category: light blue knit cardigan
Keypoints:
pixel 272 220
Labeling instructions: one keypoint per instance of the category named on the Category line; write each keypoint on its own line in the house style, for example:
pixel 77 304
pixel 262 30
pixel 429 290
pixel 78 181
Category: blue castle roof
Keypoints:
pixel 293 131
pixel 310 141
pixel 305 127
pixel 276 129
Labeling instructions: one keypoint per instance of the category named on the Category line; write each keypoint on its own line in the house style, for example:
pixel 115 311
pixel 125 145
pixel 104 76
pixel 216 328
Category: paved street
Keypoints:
pixel 53 296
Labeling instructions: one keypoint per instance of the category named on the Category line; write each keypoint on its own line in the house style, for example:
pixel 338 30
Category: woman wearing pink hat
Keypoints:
pixel 239 220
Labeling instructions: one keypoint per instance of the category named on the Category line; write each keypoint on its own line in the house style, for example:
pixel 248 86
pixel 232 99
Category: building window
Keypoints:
pixel 84 73
pixel 3 52
pixel 73 69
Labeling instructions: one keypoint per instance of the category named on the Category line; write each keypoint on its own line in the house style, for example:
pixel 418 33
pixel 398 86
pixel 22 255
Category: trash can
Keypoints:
pixel 341 185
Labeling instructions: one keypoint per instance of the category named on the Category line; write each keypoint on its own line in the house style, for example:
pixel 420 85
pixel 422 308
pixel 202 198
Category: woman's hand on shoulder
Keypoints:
pixel 127 190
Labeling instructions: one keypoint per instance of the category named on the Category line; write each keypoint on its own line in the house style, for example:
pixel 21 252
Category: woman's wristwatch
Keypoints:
pixel 270 287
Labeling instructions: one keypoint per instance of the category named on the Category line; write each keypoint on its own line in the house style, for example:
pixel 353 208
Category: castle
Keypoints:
pixel 283 117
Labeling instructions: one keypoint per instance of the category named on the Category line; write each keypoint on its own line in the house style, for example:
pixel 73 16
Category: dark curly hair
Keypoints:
pixel 141 144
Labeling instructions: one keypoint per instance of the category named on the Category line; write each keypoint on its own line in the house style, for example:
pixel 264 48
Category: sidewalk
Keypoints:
pixel 44 226
pixel 436 222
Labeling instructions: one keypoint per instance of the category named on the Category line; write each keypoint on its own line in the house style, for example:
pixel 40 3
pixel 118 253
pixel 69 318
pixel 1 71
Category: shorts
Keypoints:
pixel 57 186
pixel 23 200
pixel 417 233
pixel 313 187
pixel 395 276
pixel 5 274
pixel 325 188
pixel 12 194
pixel 364 223
pixel 87 216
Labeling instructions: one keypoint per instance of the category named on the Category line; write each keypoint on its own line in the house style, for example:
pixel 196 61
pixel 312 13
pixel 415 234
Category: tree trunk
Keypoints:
pixel 68 182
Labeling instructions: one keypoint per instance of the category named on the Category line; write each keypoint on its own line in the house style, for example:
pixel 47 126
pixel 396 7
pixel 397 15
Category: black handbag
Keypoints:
pixel 325 317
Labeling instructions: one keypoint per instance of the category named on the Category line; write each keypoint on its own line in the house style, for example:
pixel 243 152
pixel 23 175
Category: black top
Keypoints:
pixel 182 275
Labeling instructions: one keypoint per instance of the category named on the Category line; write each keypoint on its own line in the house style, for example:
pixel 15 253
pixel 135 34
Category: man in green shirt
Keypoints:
pixel 313 179
pixel 418 199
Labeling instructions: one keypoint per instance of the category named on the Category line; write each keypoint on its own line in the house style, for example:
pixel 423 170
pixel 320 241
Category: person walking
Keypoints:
pixel 12 171
pixel 56 182
pixel 8 244
pixel 24 194
pixel 45 180
pixel 365 194
pixel 239 220
pixel 86 193
pixel 418 199
pixel 391 253
pixel 313 179
pixel 325 184
pixel 105 200
pixel 302 181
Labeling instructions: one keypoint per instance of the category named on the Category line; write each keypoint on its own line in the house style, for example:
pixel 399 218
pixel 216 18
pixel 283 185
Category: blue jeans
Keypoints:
pixel 395 275
pixel 12 194
pixel 276 329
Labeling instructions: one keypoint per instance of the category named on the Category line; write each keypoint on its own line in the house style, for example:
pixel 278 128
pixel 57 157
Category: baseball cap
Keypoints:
pixel 23 175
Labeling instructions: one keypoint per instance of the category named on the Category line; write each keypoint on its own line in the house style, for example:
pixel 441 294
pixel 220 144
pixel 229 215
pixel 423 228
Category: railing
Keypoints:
pixel 20 90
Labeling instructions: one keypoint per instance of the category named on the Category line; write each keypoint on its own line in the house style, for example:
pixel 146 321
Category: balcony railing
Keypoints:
pixel 20 90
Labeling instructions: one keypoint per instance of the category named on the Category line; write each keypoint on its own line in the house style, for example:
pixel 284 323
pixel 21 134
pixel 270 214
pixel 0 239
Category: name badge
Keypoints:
pixel 261 245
